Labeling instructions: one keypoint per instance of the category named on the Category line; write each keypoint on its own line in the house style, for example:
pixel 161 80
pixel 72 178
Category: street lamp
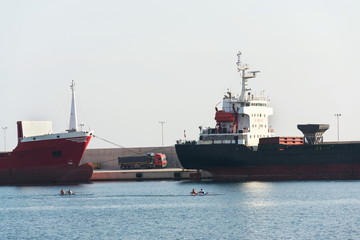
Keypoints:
pixel 338 115
pixel 162 133
pixel 81 126
pixel 4 137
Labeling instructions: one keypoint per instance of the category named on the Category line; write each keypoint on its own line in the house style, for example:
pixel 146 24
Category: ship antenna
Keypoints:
pixel 242 68
pixel 73 118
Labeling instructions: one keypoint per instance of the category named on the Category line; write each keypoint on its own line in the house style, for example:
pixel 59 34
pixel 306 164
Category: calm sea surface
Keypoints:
pixel 165 210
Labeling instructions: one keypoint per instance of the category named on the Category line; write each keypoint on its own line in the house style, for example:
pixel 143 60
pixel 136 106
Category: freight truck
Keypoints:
pixel 150 160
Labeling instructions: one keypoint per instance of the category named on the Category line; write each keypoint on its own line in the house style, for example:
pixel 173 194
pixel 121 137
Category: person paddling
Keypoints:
pixel 193 192
pixel 202 192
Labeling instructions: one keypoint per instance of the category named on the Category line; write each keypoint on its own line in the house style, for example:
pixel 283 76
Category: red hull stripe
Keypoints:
pixel 296 172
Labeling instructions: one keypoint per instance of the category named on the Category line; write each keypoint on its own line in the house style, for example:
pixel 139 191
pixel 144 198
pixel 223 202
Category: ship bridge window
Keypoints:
pixel 56 154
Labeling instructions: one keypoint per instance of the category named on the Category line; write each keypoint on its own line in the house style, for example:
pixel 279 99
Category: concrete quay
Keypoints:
pixel 149 174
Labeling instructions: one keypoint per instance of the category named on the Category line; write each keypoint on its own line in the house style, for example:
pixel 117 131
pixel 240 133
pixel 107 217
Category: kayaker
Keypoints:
pixel 193 192
pixel 62 192
pixel 202 192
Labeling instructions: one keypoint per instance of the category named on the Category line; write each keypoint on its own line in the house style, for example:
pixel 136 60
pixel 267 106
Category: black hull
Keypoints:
pixel 301 162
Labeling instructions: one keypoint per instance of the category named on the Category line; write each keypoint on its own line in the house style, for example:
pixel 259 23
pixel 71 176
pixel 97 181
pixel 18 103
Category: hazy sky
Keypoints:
pixel 136 63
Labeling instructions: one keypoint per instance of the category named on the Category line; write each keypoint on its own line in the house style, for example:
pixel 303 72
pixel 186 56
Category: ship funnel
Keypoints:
pixel 313 133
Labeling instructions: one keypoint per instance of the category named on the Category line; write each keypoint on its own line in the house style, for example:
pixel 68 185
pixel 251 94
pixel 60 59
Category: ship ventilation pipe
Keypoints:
pixel 313 133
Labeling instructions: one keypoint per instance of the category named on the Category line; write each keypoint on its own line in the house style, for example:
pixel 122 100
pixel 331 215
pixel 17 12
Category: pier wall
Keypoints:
pixel 149 174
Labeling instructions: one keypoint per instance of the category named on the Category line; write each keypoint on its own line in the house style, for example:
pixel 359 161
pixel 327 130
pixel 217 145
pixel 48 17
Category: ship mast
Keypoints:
pixel 242 68
pixel 73 118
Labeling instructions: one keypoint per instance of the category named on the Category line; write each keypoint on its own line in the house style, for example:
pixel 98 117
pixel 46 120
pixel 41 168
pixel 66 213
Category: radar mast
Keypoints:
pixel 73 118
pixel 244 78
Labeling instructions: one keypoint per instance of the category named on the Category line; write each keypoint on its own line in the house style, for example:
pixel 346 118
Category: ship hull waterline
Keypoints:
pixel 46 175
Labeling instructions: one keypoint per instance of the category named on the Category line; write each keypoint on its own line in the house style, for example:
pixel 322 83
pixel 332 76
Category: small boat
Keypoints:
pixel 201 193
pixel 69 192
pixel 66 194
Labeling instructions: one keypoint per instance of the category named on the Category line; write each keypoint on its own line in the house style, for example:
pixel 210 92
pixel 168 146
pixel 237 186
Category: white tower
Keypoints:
pixel 73 118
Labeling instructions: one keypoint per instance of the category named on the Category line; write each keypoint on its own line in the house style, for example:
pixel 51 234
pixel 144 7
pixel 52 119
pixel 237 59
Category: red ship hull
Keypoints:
pixel 48 159
pixel 290 172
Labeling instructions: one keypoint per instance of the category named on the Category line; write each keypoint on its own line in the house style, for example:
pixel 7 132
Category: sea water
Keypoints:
pixel 166 210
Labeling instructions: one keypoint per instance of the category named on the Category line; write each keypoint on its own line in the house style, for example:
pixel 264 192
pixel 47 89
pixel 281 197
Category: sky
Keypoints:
pixel 138 63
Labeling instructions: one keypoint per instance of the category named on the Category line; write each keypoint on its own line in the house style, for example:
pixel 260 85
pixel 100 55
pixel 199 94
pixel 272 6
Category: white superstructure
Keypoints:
pixel 243 119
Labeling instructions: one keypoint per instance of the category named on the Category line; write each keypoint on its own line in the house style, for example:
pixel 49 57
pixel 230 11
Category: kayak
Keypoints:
pixel 66 194
pixel 198 194
pixel 206 194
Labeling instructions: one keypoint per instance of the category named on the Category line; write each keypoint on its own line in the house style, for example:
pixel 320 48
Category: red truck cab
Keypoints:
pixel 159 160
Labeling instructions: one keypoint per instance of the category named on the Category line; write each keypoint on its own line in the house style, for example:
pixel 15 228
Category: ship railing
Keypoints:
pixel 248 100
pixel 258 98
pixel 223 131
pixel 181 141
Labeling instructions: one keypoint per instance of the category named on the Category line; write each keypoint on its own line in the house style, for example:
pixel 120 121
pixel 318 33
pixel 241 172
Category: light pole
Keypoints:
pixel 4 137
pixel 338 115
pixel 162 133
pixel 81 126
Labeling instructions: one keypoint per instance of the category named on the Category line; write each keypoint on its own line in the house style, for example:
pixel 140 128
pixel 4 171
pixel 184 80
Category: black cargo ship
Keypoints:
pixel 243 147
